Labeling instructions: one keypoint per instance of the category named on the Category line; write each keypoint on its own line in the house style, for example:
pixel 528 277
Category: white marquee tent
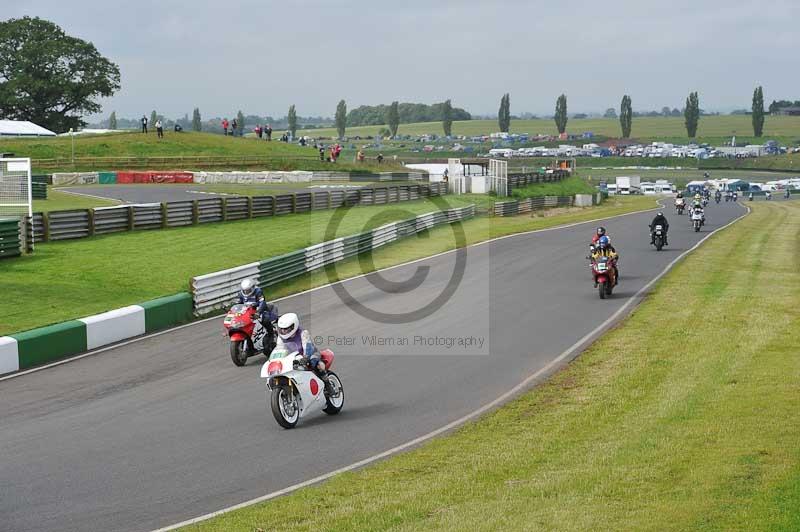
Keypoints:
pixel 19 128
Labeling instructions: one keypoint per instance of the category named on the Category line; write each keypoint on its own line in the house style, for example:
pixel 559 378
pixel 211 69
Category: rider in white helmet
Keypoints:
pixel 251 294
pixel 293 338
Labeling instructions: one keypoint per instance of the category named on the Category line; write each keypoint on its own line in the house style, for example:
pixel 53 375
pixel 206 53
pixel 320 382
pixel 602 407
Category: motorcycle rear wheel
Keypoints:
pixel 239 352
pixel 279 401
pixel 334 403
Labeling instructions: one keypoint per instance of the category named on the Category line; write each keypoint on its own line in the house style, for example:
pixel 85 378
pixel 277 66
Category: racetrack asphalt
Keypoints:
pixel 165 429
pixel 157 193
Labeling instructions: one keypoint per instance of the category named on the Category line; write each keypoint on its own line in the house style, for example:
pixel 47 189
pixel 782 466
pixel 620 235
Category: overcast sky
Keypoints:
pixel 262 55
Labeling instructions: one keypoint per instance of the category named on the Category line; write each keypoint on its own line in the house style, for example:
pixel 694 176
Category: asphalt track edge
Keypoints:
pixel 542 374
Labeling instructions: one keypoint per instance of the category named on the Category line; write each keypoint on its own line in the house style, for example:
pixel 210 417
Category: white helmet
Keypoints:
pixel 248 287
pixel 288 325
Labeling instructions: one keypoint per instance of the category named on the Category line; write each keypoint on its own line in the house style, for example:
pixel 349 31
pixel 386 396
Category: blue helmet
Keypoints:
pixel 604 242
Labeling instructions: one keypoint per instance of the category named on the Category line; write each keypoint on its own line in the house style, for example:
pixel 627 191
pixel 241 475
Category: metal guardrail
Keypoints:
pixel 523 206
pixel 525 179
pixel 10 241
pixel 214 290
pixel 64 225
pixel 514 207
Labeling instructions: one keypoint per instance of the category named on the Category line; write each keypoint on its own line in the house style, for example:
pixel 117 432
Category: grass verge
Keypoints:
pixel 566 187
pixel 685 417
pixel 69 279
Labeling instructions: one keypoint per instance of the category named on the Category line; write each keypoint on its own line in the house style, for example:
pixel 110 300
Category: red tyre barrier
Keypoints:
pixel 154 176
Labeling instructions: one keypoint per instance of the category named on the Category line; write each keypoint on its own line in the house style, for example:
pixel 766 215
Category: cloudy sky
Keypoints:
pixel 262 55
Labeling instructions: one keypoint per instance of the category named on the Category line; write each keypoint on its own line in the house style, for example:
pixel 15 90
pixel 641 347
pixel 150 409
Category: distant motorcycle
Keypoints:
pixel 296 391
pixel 679 206
pixel 249 337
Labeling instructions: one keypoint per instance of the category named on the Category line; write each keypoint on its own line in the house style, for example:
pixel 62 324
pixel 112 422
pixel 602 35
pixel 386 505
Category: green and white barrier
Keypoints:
pixel 32 348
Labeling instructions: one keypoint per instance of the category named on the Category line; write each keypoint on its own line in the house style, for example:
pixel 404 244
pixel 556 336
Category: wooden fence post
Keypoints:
pixel 164 215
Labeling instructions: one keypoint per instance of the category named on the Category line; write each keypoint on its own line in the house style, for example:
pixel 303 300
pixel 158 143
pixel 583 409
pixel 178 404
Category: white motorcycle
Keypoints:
pixel 698 219
pixel 295 391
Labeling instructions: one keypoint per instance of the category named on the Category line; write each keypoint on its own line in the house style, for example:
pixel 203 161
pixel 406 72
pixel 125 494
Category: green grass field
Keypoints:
pixel 566 187
pixel 666 128
pixel 685 423
pixel 282 156
pixel 69 279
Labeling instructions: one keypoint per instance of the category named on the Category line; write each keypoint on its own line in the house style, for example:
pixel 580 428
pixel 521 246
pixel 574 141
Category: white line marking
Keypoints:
pixel 64 191
pixel 217 316
pixel 572 350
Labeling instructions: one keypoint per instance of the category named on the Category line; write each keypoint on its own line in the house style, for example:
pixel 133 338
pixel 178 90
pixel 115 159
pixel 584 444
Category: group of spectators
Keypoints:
pixel 158 125
pixel 262 132
pixel 331 153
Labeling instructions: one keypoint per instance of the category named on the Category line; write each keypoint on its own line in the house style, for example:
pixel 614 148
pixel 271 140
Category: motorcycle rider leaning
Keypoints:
pixel 294 338
pixel 661 220
pixel 251 294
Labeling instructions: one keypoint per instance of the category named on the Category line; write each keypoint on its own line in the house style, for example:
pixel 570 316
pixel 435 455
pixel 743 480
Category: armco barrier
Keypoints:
pixel 515 207
pixel 214 290
pixel 63 225
pixel 27 349
pixel 10 241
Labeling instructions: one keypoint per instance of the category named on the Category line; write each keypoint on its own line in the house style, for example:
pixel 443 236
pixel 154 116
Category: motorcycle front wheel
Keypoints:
pixel 601 288
pixel 659 243
pixel 239 352
pixel 335 401
pixel 285 407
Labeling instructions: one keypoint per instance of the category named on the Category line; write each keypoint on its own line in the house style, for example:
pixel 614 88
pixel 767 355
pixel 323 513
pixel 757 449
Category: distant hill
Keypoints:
pixel 410 113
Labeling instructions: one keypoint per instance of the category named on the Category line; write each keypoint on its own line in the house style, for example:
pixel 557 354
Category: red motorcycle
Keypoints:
pixel 249 337
pixel 605 278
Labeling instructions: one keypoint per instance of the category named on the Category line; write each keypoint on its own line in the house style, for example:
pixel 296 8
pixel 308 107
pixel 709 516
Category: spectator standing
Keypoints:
pixel 234 127
pixel 160 129
pixel 225 126
pixel 360 156
pixel 380 158
pixel 259 131
pixel 322 152
pixel 144 124
pixel 333 154
pixel 269 133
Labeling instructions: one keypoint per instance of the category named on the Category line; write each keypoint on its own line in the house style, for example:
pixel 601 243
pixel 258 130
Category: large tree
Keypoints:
pixel 447 118
pixel 291 118
pixel 504 113
pixel 561 113
pixel 758 111
pixel 393 118
pixel 197 121
pixel 691 114
pixel 50 78
pixel 625 116
pixel 153 118
pixel 112 120
pixel 341 118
